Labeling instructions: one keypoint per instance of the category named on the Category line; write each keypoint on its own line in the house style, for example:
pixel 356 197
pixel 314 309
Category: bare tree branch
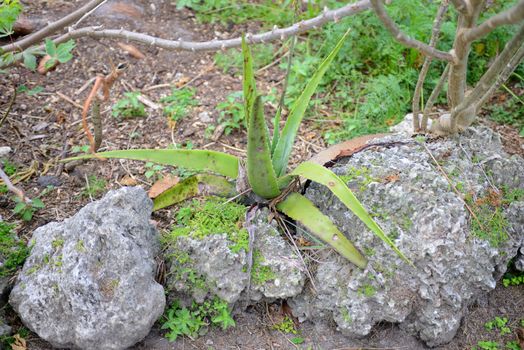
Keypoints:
pixel 18 192
pixel 503 76
pixel 510 16
pixel 506 61
pixel 427 62
pixel 43 33
pixel 214 45
pixel 402 38
pixel 460 5
pixel 433 97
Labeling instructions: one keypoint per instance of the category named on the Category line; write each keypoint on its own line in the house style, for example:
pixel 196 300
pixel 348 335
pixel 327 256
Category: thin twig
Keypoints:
pixel 213 45
pixel 433 97
pixel 51 28
pixel 18 192
pixel 9 106
pixel 402 38
pixel 453 187
pixel 87 14
pixel 427 62
pixel 67 99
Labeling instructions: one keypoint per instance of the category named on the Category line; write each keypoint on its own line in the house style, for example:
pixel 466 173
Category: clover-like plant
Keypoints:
pixel 266 166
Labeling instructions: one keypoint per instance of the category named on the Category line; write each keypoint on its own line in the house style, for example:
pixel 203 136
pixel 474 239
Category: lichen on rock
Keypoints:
pixel 89 280
pixel 418 208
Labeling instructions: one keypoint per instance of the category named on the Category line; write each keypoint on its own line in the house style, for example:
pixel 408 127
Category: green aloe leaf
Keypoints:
pixel 248 83
pixel 301 209
pixel 260 171
pixel 200 160
pixel 296 114
pixel 196 185
pixel 326 177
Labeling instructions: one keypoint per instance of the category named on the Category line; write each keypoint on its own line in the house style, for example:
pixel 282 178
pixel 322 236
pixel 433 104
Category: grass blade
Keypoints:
pixel 200 160
pixel 260 171
pixel 296 114
pixel 301 209
pixel 248 80
pixel 326 177
pixel 200 184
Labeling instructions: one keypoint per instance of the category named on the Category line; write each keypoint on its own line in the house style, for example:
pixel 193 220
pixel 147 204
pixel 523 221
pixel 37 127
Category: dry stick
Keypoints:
pixel 453 186
pixel 85 110
pixel 512 15
pixel 51 28
pixel 433 97
pixel 402 38
pixel 216 45
pixel 67 99
pixel 9 107
pixel 483 87
pixel 18 192
pixel 425 67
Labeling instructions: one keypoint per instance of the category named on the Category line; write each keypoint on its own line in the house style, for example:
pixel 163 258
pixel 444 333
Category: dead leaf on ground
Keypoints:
pixel 132 51
pixel 42 69
pixel 163 185
pixel 128 181
pixel 392 178
pixel 520 337
pixel 343 149
pixel 182 81
pixel 19 343
pixel 124 9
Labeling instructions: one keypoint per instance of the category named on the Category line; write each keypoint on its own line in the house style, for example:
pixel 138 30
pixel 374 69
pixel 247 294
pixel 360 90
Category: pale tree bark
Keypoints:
pixel 425 66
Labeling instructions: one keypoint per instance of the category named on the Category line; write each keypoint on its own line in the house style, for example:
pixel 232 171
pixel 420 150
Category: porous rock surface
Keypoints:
pixel 204 268
pixel 415 205
pixel 89 281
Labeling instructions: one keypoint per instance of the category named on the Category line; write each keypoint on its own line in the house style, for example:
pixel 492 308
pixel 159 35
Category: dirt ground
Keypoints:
pixel 42 129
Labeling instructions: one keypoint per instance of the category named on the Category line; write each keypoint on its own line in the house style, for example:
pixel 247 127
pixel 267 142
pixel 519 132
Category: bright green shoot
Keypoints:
pixel 266 169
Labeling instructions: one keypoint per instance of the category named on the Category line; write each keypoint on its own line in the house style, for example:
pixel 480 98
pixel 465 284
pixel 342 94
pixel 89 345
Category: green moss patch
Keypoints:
pixel 212 216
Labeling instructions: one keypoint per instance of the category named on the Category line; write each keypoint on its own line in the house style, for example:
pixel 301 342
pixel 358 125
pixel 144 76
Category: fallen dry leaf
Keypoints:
pixel 41 66
pixel 343 149
pixel 392 178
pixel 163 185
pixel 124 9
pixel 19 343
pixel 23 26
pixel 520 337
pixel 182 81
pixel 128 181
pixel 132 51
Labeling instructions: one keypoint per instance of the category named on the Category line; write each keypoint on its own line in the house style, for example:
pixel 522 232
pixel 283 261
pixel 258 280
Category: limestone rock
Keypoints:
pixel 455 260
pixel 89 281
pixel 204 268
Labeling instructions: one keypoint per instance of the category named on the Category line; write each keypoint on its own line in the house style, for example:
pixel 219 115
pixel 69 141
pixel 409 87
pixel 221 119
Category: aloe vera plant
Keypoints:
pixel 267 163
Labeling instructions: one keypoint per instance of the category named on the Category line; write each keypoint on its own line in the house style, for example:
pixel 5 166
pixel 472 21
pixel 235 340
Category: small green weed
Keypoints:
pixel 12 250
pixel 129 106
pixel 8 167
pixel 26 210
pixel 153 171
pixel 80 149
pixel 286 326
pixel 367 290
pixel 181 321
pixel 498 323
pixel 94 187
pixel 510 280
pixel 30 92
pixel 231 112
pixel 177 104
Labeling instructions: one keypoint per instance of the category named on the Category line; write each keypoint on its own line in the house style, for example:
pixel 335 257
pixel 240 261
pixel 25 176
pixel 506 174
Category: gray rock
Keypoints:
pixel 414 204
pixel 4 151
pixel 204 268
pixel 89 281
pixel 205 117
pixel 49 180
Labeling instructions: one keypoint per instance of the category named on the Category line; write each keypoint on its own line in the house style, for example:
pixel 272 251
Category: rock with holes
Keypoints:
pixel 215 263
pixel 89 280
pixel 456 258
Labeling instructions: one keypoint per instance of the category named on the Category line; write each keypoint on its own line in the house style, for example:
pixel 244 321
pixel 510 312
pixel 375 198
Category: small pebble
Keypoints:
pixel 4 151
pixel 205 117
pixel 49 180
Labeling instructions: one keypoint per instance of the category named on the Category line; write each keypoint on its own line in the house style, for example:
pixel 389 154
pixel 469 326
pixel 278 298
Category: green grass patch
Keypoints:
pixel 13 251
